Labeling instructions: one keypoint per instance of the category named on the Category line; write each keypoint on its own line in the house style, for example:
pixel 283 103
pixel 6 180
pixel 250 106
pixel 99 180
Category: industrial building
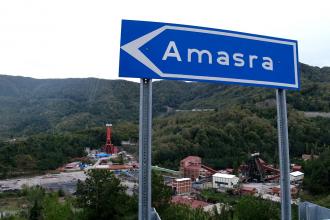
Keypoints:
pixel 258 170
pixel 204 183
pixel 222 180
pixel 72 167
pixel 296 176
pixel 277 190
pixel 296 167
pixel 192 167
pixel 181 186
pixel 306 157
pixel 185 200
pixel 245 190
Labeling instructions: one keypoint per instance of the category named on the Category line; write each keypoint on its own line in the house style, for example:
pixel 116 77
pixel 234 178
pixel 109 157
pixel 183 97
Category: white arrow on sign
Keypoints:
pixel 133 49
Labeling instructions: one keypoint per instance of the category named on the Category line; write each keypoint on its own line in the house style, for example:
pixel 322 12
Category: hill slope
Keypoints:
pixel 30 106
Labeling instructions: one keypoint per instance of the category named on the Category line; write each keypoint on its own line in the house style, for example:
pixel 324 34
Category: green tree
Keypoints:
pixel 54 210
pixel 161 194
pixel 251 208
pixel 103 197
pixel 184 212
pixel 13 218
pixel 317 174
pixel 35 196
pixel 35 211
pixel 25 162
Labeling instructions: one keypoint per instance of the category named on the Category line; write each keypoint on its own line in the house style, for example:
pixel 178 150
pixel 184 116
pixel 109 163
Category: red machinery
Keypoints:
pixel 210 170
pixel 109 148
pixel 258 170
pixel 271 172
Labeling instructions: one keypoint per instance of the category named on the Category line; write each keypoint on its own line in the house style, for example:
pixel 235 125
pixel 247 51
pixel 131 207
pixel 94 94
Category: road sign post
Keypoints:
pixel 151 50
pixel 283 150
pixel 145 149
pixel 179 52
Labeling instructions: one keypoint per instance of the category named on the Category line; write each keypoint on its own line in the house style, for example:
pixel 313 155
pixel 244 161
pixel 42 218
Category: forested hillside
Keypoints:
pixel 225 138
pixel 31 106
pixel 45 152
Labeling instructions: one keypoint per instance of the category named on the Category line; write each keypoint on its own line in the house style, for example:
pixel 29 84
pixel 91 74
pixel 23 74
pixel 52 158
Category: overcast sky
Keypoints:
pixel 78 38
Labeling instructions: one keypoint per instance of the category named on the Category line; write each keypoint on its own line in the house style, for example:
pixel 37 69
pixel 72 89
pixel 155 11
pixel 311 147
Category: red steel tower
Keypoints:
pixel 109 147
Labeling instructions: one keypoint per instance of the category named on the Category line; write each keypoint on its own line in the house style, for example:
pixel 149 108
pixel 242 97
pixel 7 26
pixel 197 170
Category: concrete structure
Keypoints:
pixel 277 190
pixel 227 181
pixel 72 167
pixel 296 176
pixel 296 167
pixel 128 143
pixel 193 168
pixel 112 167
pixel 190 167
pixel 185 200
pixel 229 170
pixel 205 183
pixel 306 157
pixel 120 167
pixel 245 190
pixel 182 186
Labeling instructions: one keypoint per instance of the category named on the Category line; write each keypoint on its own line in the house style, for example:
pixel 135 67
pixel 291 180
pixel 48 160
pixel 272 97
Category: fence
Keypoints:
pixel 310 211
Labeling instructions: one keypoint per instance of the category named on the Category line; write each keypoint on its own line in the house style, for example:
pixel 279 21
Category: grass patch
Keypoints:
pixel 322 200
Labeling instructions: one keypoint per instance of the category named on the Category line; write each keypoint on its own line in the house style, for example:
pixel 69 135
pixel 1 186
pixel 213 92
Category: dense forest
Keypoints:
pixel 225 138
pixel 30 106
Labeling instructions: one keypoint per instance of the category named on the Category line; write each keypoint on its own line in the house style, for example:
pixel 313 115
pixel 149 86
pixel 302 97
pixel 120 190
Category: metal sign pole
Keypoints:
pixel 145 149
pixel 283 144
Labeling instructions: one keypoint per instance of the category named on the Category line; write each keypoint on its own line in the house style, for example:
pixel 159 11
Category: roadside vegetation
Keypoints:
pixel 102 197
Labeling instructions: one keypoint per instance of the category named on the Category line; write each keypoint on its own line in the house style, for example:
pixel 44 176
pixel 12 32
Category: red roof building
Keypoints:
pixel 185 200
pixel 72 165
pixel 190 167
pixel 296 168
pixel 119 167
pixel 229 170
pixel 277 190
pixel 245 190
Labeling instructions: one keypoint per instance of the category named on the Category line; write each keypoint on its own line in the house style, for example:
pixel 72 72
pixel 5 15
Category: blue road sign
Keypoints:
pixel 180 52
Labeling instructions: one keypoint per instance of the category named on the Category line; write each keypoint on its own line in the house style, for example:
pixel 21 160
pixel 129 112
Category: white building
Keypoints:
pixel 222 180
pixel 296 176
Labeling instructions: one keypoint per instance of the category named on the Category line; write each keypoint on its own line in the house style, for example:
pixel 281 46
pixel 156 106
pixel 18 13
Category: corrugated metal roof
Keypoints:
pixel 296 173
pixel 119 167
pixel 191 158
pixel 182 179
pixel 224 175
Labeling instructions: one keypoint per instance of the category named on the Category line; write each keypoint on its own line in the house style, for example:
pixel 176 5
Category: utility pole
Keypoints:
pixel 283 151
pixel 145 149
